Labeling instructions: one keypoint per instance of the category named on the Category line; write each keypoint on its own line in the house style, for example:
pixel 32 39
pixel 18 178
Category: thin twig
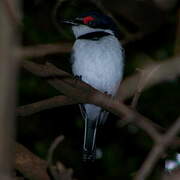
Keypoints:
pixel 143 80
pixel 52 148
pixel 138 90
pixel 149 163
pixel 59 171
pixel 167 70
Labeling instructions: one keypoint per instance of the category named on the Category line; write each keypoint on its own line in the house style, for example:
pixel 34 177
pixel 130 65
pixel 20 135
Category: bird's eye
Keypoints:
pixel 88 19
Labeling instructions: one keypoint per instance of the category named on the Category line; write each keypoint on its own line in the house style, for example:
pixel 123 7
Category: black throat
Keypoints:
pixel 94 35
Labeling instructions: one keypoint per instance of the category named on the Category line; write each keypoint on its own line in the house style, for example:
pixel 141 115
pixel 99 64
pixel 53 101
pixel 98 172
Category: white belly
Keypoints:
pixel 100 63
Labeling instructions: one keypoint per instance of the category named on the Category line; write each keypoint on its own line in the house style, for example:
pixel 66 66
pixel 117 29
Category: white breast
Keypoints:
pixel 100 63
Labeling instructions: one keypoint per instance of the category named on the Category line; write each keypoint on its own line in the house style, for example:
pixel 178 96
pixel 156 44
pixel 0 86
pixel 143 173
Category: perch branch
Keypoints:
pixel 164 71
pixel 84 93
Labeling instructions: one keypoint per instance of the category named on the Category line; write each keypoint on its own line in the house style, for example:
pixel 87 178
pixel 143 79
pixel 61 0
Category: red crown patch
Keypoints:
pixel 87 19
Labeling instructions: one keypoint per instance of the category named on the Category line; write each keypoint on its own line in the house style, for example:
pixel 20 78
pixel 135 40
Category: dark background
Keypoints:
pixel 123 148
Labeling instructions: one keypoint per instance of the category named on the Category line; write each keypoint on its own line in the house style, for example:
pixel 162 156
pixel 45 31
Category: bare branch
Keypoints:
pixel 53 146
pixel 167 70
pixel 84 93
pixel 162 71
pixel 53 102
pixel 63 82
pixel 44 49
pixel 149 163
pixel 143 80
pixel 58 171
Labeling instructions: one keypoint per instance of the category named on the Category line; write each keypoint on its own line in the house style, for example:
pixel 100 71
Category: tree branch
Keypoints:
pixel 44 49
pixel 53 102
pixel 164 71
pixel 167 70
pixel 84 93
pixel 143 80
pixel 30 165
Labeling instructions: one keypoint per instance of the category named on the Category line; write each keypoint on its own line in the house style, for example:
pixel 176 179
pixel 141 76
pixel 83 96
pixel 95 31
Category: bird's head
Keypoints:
pixel 92 22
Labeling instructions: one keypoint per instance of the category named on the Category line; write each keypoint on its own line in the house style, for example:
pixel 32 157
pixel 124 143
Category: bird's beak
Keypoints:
pixel 70 22
pixel 74 22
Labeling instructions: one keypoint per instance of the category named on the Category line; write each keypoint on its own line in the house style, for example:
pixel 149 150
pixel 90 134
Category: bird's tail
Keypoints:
pixel 89 147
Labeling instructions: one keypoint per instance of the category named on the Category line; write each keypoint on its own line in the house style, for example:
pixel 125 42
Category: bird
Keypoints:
pixel 97 58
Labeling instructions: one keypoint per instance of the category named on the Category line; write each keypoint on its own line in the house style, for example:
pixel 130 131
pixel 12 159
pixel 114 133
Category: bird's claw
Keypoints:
pixel 78 77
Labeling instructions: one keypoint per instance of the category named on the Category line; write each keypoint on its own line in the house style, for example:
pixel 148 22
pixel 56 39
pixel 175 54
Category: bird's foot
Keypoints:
pixel 108 93
pixel 78 77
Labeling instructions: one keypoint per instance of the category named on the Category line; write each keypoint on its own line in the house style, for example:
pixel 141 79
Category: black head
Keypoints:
pixel 94 20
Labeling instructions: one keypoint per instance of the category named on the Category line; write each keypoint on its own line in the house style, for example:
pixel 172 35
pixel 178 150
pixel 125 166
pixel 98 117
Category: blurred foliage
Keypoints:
pixel 123 148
